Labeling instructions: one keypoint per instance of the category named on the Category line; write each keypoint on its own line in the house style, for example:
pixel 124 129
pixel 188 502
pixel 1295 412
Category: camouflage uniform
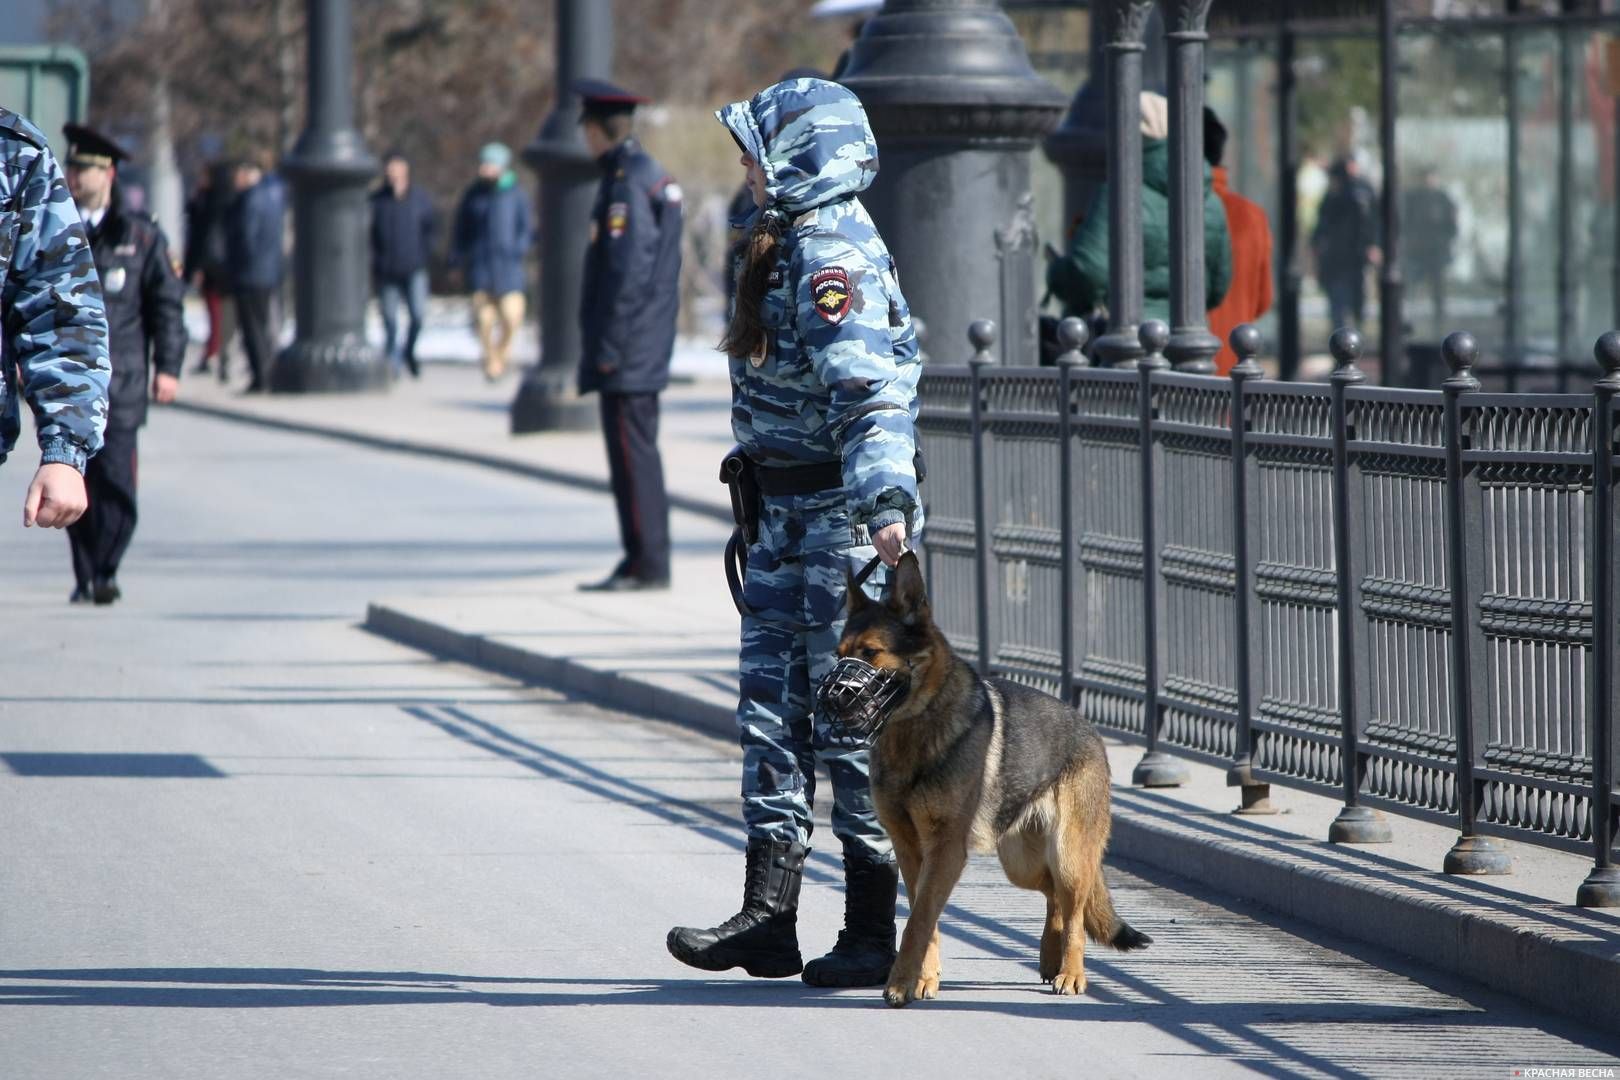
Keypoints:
pixel 53 328
pixel 836 384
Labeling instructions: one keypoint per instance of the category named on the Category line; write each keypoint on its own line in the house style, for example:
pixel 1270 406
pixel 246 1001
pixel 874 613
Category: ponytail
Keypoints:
pixel 746 334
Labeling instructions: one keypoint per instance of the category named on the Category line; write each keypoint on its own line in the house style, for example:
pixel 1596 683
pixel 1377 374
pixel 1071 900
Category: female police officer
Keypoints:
pixel 824 371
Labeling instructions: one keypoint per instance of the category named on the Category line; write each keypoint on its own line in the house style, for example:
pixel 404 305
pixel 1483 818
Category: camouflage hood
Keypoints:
pixel 812 139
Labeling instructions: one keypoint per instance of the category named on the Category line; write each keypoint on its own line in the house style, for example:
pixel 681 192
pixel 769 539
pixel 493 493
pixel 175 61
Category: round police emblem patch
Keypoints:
pixel 830 293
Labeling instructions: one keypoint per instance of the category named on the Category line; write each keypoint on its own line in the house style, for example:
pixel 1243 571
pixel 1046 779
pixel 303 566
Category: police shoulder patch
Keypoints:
pixel 618 217
pixel 830 293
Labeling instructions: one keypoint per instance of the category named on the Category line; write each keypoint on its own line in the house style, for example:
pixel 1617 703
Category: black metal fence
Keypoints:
pixel 1404 597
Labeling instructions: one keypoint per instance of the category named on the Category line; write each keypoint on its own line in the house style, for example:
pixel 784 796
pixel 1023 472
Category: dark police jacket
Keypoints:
pixel 143 295
pixel 631 289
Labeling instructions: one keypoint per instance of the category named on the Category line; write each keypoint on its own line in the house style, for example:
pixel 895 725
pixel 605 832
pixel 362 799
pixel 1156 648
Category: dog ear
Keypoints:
pixel 855 597
pixel 909 595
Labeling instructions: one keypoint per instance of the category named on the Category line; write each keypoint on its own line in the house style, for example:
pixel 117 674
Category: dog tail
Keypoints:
pixel 1107 928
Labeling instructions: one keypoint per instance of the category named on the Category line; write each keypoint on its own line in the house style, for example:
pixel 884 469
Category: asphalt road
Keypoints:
pixel 240 837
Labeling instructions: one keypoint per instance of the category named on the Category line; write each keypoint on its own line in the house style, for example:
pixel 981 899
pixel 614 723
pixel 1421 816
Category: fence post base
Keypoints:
pixel 1600 889
pixel 1158 769
pixel 1255 795
pixel 1478 855
pixel 1359 825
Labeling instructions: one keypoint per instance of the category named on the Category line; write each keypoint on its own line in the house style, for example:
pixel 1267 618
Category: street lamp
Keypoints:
pixel 956 108
pixel 329 168
pixel 547 399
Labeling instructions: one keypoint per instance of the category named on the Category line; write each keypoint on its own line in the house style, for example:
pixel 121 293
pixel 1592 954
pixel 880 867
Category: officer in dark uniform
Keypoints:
pixel 627 318
pixel 143 296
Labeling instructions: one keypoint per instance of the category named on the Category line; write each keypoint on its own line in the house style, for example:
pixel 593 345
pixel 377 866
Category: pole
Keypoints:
pixel 1391 330
pixel 1192 347
pixel 1127 20
pixel 329 168
pixel 547 399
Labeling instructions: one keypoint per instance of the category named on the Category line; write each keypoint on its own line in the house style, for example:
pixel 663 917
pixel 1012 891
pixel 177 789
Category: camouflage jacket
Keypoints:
pixel 53 329
pixel 839 381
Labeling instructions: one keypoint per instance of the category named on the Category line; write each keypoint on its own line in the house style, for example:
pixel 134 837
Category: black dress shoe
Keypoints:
pixel 107 591
pixel 614 582
pixel 81 594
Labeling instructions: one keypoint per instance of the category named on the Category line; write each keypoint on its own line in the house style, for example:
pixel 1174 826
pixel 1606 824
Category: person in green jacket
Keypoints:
pixel 1080 278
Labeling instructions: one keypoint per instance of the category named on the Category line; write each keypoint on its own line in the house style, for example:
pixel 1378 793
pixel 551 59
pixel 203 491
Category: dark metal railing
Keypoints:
pixel 1404 598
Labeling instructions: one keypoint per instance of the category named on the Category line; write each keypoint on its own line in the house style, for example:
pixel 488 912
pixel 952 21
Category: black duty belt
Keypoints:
pixel 799 479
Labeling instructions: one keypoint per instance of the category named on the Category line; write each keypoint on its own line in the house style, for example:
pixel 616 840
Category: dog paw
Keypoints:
pixel 903 992
pixel 1065 983
pixel 1048 973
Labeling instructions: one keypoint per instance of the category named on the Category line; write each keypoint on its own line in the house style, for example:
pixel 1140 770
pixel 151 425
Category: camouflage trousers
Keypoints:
pixel 795 586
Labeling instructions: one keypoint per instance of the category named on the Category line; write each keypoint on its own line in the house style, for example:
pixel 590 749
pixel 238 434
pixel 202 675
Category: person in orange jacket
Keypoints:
pixel 1250 294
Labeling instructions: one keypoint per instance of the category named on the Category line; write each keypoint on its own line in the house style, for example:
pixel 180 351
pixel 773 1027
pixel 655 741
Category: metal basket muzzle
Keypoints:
pixel 857 698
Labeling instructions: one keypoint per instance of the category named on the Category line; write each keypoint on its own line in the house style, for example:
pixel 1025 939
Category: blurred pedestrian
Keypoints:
pixel 628 308
pixel 1345 242
pixel 257 264
pixel 402 223
pixel 1250 294
pixel 1429 218
pixel 492 237
pixel 1080 278
pixel 53 327
pixel 146 343
pixel 205 262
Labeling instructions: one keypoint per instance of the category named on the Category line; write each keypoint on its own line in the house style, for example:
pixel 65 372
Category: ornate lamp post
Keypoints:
pixel 957 109
pixel 547 400
pixel 329 168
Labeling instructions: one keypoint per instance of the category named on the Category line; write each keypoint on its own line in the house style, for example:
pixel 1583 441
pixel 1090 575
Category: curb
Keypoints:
pixel 445 453
pixel 1538 955
pixel 613 690
pixel 1351 893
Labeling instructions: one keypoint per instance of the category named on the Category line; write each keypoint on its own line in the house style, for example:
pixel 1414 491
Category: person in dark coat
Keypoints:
pixel 204 261
pixel 491 239
pixel 253 228
pixel 402 223
pixel 628 307
pixel 146 343
pixel 1429 216
pixel 1345 242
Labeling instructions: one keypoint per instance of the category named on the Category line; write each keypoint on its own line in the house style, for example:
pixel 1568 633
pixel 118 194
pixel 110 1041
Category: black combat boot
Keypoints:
pixel 865 949
pixel 762 938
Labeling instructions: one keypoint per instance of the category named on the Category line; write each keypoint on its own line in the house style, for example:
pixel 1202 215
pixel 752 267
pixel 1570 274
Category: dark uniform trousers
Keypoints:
pixel 101 536
pixel 630 427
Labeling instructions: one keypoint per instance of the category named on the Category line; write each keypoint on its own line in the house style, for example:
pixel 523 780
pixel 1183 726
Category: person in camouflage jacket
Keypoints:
pixel 824 369
pixel 53 328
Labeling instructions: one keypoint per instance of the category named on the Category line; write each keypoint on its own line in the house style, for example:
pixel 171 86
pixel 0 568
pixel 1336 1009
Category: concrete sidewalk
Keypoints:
pixel 452 413
pixel 673 655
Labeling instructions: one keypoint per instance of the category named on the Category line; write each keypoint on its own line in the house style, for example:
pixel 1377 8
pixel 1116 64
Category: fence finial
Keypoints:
pixel 1607 351
pixel 1153 336
pixel 1345 345
pixel 1461 352
pixel 1246 342
pixel 982 335
pixel 1072 335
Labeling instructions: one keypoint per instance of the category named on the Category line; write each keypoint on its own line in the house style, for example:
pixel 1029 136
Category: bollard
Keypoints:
pixel 1356 824
pixel 1254 795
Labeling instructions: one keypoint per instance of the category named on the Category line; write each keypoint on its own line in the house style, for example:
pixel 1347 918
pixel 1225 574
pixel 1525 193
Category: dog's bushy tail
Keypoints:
pixel 1107 928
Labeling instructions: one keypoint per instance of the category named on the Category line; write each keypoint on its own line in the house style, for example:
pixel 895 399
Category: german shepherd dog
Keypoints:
pixel 964 764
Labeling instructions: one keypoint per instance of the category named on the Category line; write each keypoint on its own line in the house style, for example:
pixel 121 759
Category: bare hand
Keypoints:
pixel 56 498
pixel 890 542
pixel 165 388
